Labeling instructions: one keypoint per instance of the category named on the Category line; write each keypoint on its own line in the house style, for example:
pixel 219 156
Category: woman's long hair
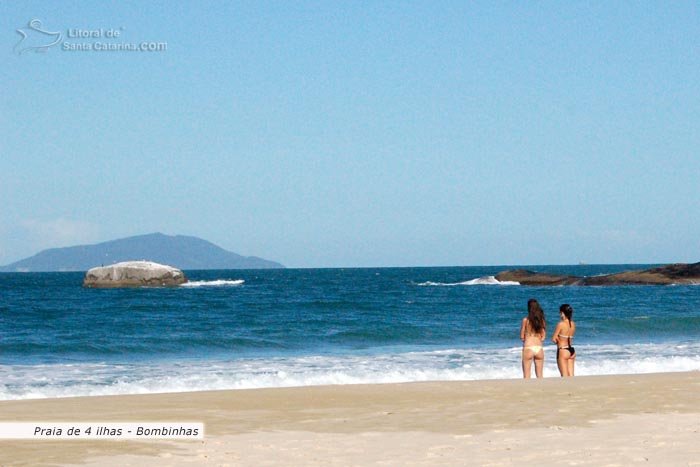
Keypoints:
pixel 535 316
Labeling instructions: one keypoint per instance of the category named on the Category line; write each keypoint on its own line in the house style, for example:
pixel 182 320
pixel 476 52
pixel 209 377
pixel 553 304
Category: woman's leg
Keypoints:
pixel 527 363
pixel 539 363
pixel 562 363
pixel 570 364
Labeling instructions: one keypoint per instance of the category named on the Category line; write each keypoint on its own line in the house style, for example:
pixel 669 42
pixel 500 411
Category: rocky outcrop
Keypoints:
pixel 665 275
pixel 525 277
pixel 134 274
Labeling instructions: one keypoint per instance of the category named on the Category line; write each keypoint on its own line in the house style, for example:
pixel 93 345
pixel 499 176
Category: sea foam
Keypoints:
pixel 486 280
pixel 214 283
pixel 91 379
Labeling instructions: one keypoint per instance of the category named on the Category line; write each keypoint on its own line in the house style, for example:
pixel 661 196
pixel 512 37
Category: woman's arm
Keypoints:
pixel 522 329
pixel 555 336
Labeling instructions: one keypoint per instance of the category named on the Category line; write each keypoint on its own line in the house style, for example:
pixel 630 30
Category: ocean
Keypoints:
pixel 235 329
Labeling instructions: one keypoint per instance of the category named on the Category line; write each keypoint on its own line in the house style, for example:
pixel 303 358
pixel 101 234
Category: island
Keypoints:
pixel 672 274
pixel 189 253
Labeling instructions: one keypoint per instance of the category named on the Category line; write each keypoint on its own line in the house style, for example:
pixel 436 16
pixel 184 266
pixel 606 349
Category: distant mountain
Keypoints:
pixel 180 251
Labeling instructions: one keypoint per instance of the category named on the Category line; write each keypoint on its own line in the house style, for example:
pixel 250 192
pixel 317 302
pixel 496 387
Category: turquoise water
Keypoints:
pixel 269 328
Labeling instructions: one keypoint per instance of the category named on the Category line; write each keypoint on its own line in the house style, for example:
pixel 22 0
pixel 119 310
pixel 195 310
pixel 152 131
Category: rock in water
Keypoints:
pixel 525 277
pixel 134 274
pixel 678 274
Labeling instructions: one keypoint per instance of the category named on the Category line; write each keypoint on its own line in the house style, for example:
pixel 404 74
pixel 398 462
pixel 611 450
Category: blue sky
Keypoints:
pixel 341 134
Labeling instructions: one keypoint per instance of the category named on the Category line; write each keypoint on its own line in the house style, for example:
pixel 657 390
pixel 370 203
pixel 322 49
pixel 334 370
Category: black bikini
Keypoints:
pixel 569 347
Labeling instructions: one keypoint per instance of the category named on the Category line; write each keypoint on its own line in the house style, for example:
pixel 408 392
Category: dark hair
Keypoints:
pixel 567 310
pixel 535 316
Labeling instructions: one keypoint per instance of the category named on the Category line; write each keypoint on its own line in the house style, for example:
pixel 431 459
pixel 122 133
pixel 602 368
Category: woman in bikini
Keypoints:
pixel 532 333
pixel 563 335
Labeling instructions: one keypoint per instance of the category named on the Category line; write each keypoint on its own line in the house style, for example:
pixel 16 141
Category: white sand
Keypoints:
pixel 596 420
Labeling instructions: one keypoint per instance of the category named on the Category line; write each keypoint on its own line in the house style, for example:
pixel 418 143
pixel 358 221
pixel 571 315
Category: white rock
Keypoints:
pixel 134 274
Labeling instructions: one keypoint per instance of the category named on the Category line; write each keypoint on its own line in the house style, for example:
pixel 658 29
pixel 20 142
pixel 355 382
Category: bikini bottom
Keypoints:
pixel 571 350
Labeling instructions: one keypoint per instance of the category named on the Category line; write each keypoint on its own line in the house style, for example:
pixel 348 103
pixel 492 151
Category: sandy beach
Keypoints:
pixel 648 419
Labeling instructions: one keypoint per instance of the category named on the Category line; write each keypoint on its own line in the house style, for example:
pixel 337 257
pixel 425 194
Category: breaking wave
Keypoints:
pixel 91 379
pixel 486 280
pixel 215 283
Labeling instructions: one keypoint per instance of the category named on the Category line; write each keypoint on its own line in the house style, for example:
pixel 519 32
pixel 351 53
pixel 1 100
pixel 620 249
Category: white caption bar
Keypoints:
pixel 101 430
